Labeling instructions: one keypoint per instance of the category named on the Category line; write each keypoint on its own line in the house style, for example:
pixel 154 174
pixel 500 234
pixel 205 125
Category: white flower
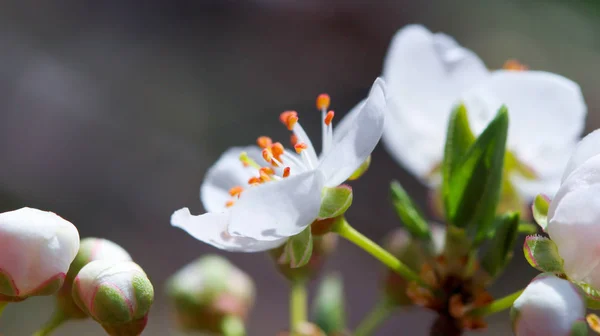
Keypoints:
pixel 284 197
pixel 36 249
pixel 574 213
pixel 427 74
pixel 549 306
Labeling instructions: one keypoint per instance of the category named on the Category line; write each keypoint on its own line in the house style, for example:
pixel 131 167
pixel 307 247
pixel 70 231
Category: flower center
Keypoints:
pixel 278 163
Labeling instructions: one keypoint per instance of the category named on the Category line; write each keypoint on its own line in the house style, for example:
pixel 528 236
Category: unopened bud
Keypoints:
pixel 549 306
pixel 118 295
pixel 37 248
pixel 90 249
pixel 208 292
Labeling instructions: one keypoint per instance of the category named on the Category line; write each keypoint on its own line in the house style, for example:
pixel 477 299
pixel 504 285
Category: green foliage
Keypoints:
pixel 409 213
pixel 499 252
pixel 328 311
pixel 298 249
pixel 473 175
pixel 540 207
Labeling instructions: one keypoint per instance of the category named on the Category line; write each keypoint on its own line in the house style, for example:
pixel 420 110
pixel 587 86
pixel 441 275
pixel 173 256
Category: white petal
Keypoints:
pixel 426 74
pixel 347 121
pixel 360 138
pixel 547 115
pixel 211 228
pixel 588 147
pixel 279 209
pixel 36 246
pixel 225 174
pixel 549 306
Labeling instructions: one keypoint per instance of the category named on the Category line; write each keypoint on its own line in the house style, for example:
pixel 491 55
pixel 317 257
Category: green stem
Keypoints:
pixel 2 306
pixel 57 319
pixel 497 305
pixel 373 320
pixel 298 304
pixel 343 228
pixel 233 326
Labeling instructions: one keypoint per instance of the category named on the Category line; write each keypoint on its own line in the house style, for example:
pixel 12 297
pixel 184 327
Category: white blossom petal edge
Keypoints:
pixel 429 73
pixel 253 207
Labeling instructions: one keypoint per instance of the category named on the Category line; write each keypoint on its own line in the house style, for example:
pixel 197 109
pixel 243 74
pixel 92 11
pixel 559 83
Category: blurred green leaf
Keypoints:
pixel 540 207
pixel 474 184
pixel 592 296
pixel 335 201
pixel 409 213
pixel 500 250
pixel 542 254
pixel 328 310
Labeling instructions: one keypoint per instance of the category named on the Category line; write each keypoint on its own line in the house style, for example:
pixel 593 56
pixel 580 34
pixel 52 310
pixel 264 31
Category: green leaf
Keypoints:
pixel 361 169
pixel 542 254
pixel 328 311
pixel 335 201
pixel 500 250
pixel 409 213
pixel 475 182
pixel 592 296
pixel 540 210
pixel 458 140
pixel 527 228
pixel 298 249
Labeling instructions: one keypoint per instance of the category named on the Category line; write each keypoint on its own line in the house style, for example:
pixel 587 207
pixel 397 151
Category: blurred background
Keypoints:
pixel 111 112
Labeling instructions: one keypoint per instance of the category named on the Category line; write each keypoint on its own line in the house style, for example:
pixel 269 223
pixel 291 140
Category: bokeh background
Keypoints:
pixel 111 111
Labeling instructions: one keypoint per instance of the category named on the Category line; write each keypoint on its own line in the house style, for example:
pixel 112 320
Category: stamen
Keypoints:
pixel 277 150
pixel 299 147
pixel 229 203
pixel 264 142
pixel 289 119
pixel 323 101
pixel 254 181
pixel 264 177
pixel 294 139
pixel 514 65
pixel 247 161
pixel 294 159
pixel 267 155
pixel 267 170
pixel 235 191
pixel 329 118
pixel 286 171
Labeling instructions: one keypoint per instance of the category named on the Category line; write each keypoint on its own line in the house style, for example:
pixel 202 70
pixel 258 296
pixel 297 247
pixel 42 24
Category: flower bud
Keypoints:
pixel 574 213
pixel 323 245
pixel 207 292
pixel 37 249
pixel 90 249
pixel 549 306
pixel 118 295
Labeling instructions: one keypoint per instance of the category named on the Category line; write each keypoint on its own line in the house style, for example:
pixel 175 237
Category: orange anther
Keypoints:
pixel 294 139
pixel 299 147
pixel 266 170
pixel 594 322
pixel 329 118
pixel 264 142
pixel 267 155
pixel 229 203
pixel 235 191
pixel 254 181
pixel 323 101
pixel 286 171
pixel 264 177
pixel 514 65
pixel 277 150
pixel 289 119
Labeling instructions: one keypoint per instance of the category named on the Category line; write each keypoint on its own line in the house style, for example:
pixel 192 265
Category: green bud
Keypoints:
pixel 329 309
pixel 322 246
pixel 118 295
pixel 209 292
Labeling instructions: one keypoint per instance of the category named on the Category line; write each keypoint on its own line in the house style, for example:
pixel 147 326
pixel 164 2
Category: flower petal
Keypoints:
pixel 547 113
pixel 360 138
pixel 587 148
pixel 426 74
pixel 225 174
pixel 278 209
pixel 211 228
